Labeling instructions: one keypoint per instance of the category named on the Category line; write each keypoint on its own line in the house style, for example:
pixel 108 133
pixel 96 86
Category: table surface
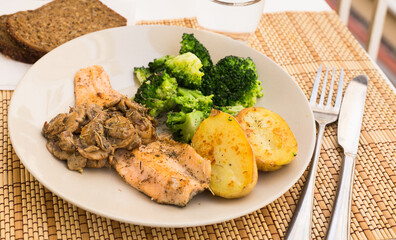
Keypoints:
pixel 297 41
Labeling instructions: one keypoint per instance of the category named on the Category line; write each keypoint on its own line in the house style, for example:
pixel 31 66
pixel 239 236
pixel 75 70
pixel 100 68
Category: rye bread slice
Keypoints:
pixel 43 29
pixel 10 48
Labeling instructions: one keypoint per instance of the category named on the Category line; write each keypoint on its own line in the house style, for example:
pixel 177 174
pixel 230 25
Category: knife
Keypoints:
pixel 349 126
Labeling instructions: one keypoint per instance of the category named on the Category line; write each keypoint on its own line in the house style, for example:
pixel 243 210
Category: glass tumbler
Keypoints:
pixel 237 19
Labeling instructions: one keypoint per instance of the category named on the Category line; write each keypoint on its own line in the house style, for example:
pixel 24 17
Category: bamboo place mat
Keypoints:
pixel 299 42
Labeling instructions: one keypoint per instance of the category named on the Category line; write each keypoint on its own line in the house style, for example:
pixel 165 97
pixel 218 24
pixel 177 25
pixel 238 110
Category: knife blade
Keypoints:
pixel 351 114
pixel 349 127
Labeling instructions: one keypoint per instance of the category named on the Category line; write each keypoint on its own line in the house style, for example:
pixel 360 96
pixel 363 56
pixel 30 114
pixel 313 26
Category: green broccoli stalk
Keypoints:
pixel 142 73
pixel 190 44
pixel 186 69
pixel 157 92
pixel 189 100
pixel 232 81
pixel 232 110
pixel 183 125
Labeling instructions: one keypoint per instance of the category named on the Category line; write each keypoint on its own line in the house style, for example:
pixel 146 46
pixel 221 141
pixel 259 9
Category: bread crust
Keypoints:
pixel 43 29
pixel 10 48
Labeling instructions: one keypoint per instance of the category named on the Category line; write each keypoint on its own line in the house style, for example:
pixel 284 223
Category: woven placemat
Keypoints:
pixel 299 42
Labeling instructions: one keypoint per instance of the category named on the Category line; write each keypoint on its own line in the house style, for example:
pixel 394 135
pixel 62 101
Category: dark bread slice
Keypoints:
pixel 43 29
pixel 10 48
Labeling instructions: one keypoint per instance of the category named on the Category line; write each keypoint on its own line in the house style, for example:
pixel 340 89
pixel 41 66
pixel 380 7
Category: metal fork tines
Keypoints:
pixel 324 113
pixel 330 112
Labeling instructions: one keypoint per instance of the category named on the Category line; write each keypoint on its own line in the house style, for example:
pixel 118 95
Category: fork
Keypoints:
pixel 301 224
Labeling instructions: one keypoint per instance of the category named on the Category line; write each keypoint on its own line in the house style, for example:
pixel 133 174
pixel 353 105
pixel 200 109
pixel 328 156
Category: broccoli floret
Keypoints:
pixel 194 107
pixel 190 44
pixel 183 125
pixel 186 69
pixel 232 110
pixel 157 93
pixel 189 100
pixel 250 98
pixel 142 73
pixel 158 64
pixel 232 81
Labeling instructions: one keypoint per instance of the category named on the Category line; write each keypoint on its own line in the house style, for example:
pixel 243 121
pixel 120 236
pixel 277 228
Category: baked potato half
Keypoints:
pixel 221 139
pixel 273 143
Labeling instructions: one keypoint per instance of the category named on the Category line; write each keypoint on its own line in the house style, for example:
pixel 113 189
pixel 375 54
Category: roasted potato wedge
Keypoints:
pixel 274 144
pixel 221 139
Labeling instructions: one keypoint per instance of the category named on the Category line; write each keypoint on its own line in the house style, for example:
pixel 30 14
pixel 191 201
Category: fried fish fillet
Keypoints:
pixel 167 171
pixel 92 85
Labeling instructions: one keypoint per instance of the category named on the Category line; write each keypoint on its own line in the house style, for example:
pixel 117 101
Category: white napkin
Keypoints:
pixel 12 71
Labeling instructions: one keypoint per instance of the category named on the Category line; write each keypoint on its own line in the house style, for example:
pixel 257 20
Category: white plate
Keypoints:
pixel 47 89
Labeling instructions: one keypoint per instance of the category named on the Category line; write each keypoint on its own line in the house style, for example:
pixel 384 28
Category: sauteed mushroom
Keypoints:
pixel 88 135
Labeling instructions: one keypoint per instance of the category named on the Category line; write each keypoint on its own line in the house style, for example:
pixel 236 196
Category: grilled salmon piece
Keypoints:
pixel 167 171
pixel 92 85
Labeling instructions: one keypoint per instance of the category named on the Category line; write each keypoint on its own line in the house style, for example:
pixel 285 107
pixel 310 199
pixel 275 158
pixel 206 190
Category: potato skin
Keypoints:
pixel 221 139
pixel 274 144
